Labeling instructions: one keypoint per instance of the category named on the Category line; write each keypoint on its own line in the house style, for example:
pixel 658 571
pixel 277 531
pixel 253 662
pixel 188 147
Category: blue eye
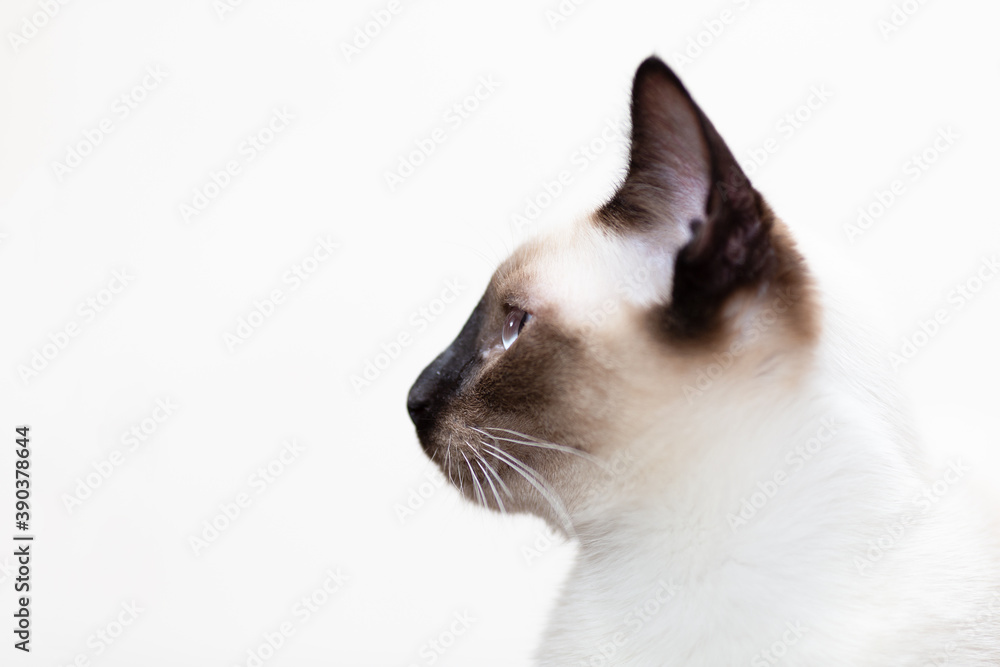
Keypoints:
pixel 512 326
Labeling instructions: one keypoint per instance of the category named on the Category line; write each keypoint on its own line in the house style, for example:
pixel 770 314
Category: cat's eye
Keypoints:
pixel 516 319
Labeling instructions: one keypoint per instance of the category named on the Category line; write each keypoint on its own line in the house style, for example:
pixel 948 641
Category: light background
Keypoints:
pixel 336 505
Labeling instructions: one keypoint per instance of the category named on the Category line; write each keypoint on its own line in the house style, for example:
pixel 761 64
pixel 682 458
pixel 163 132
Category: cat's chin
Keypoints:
pixel 509 472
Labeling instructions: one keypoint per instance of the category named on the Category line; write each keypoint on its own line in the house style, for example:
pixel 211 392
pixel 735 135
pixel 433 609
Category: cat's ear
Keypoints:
pixel 685 191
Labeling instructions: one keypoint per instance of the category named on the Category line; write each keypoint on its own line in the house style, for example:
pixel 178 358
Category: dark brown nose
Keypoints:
pixel 420 401
pixel 441 381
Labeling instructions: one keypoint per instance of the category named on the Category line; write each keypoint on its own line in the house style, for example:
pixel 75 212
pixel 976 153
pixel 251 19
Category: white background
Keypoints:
pixel 336 505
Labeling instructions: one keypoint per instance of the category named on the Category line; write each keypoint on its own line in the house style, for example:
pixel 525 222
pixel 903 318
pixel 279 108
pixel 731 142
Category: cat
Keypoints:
pixel 663 382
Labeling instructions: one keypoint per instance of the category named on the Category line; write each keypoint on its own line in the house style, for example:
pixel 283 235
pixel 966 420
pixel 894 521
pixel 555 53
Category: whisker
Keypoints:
pixel 447 461
pixel 539 483
pixel 541 444
pixel 462 487
pixel 475 479
pixel 461 482
pixel 497 475
pixel 523 436
pixel 489 480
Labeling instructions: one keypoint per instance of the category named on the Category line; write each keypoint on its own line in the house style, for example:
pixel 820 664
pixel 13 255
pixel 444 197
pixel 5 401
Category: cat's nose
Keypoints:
pixel 418 404
pixel 439 383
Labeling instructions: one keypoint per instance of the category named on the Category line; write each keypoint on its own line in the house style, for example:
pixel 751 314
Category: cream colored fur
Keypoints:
pixel 843 563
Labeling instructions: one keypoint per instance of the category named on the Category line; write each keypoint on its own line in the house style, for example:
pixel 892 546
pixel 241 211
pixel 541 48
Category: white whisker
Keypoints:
pixel 447 462
pixel 489 480
pixel 462 486
pixel 540 444
pixel 475 479
pixel 538 482
pixel 497 475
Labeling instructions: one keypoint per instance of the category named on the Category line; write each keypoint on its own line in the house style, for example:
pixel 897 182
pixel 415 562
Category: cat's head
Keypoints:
pixel 644 318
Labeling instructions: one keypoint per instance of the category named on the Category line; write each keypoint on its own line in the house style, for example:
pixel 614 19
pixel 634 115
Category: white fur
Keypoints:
pixel 718 596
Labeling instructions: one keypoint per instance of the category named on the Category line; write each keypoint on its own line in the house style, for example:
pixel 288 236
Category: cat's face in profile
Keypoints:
pixel 626 331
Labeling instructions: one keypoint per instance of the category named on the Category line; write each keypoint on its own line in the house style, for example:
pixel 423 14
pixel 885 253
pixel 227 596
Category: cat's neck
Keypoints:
pixel 738 529
pixel 738 482
pixel 757 471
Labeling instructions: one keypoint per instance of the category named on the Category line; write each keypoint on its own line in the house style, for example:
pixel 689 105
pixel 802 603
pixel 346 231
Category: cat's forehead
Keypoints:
pixel 580 265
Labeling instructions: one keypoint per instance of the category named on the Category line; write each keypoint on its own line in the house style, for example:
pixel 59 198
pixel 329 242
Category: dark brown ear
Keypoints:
pixel 685 190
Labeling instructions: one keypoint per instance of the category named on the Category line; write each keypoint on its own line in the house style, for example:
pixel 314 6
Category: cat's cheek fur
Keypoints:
pixel 548 389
